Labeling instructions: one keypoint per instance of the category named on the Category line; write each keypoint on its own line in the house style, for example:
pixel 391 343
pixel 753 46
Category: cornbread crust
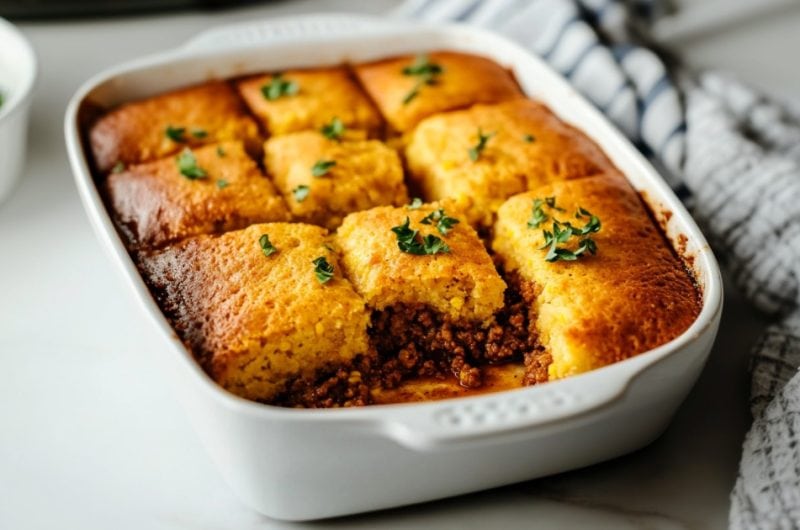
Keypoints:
pixel 464 81
pixel 462 284
pixel 366 173
pixel 323 94
pixel 258 322
pixel 155 204
pixel 136 132
pixel 439 162
pixel 633 295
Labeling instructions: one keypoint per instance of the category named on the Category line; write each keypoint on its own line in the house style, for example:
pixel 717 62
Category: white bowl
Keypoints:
pixel 17 75
pixel 308 464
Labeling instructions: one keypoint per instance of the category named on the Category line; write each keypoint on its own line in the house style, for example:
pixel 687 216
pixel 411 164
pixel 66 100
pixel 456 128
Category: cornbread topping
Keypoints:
pixel 272 218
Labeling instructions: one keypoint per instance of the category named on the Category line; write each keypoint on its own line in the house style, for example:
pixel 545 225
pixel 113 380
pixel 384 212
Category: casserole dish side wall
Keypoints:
pixel 307 464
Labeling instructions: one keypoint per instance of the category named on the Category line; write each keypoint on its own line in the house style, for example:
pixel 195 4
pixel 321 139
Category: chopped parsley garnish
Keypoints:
pixel 279 87
pixel 538 216
pixel 333 130
pixel 301 192
pixel 220 151
pixel 416 202
pixel 222 184
pixel 266 245
pixel 408 242
pixel 199 133
pixel 176 134
pixel 426 73
pixel 443 223
pixel 321 167
pixel 562 233
pixel 119 167
pixel 323 269
pixel 476 150
pixel 187 164
pixel 528 138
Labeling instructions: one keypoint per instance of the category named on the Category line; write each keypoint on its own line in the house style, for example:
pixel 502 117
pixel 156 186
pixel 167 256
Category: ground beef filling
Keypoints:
pixel 410 341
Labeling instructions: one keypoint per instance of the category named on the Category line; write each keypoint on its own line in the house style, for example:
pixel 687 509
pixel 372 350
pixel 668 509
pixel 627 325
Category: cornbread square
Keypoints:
pixel 406 92
pixel 462 284
pixel 525 146
pixel 350 176
pixel 255 321
pixel 315 98
pixel 154 204
pixel 137 132
pixel 630 297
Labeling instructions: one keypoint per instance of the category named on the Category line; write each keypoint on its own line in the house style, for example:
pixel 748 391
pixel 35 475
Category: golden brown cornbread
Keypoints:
pixel 322 94
pixel 465 80
pixel 136 132
pixel 155 204
pixel 257 322
pixel 462 284
pixel 366 173
pixel 438 155
pixel 633 295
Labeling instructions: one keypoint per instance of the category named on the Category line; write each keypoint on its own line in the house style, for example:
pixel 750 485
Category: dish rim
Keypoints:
pixel 624 372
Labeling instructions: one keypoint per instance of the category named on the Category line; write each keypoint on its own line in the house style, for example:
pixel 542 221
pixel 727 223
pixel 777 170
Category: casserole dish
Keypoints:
pixel 309 464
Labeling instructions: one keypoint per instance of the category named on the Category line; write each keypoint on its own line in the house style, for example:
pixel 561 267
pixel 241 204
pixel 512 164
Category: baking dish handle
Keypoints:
pixel 505 415
pixel 286 29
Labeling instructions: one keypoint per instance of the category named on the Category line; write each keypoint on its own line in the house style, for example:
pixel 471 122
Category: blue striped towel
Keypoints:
pixel 733 155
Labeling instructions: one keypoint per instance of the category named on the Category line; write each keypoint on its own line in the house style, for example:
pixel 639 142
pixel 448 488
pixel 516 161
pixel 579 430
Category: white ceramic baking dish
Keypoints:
pixel 308 464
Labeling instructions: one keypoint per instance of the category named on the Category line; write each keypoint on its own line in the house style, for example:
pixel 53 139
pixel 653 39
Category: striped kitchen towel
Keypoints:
pixel 733 155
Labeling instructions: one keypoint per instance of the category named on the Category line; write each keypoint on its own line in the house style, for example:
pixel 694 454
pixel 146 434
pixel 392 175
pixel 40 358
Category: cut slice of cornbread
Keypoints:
pixel 154 203
pixel 408 89
pixel 630 297
pixel 462 283
pixel 299 100
pixel 524 146
pixel 159 126
pixel 255 321
pixel 339 177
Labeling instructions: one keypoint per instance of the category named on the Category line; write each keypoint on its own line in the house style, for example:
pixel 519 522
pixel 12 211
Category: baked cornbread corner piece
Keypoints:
pixel 408 89
pixel 634 294
pixel 214 188
pixel 323 180
pixel 153 128
pixel 461 283
pixel 253 308
pixel 298 100
pixel 481 156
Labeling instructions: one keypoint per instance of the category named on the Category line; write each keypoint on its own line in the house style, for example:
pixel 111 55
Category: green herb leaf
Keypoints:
pixel 416 202
pixel 301 192
pixel 563 232
pixel 176 134
pixel 422 67
pixel 187 165
pixel 323 269
pixel 476 150
pixel 333 130
pixel 220 151
pixel 279 87
pixel 222 184
pixel 321 167
pixel 538 215
pixel 408 242
pixel 198 133
pixel 528 138
pixel 443 223
pixel 426 73
pixel 119 167
pixel 266 245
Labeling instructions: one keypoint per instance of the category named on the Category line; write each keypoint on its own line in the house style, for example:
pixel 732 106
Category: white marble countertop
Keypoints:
pixel 91 437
